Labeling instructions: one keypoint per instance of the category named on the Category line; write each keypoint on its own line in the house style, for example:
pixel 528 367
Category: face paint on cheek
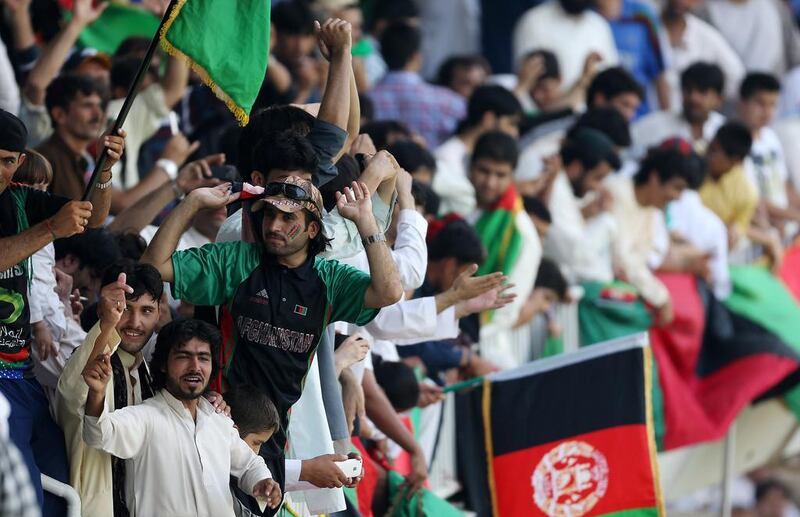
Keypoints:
pixel 294 231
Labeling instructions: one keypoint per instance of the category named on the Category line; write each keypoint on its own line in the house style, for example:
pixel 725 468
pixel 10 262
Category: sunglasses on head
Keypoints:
pixel 288 190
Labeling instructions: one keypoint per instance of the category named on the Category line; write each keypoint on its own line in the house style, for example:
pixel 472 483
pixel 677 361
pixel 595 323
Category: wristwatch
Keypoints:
pixel 372 239
pixel 168 166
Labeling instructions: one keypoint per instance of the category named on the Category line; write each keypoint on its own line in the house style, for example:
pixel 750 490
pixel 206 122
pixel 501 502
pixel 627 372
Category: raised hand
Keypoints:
pixel 178 149
pixel 352 350
pixel 212 197
pixel 115 144
pixel 335 35
pixel 85 13
pixel 198 173
pixel 97 373
pixel 113 302
pixel 71 219
pixel 355 204
pixel 467 286
pixel 493 299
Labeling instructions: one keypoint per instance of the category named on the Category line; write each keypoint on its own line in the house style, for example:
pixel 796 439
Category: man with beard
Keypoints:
pixel 77 110
pixel 573 241
pixel 181 452
pixel 702 86
pixel 570 30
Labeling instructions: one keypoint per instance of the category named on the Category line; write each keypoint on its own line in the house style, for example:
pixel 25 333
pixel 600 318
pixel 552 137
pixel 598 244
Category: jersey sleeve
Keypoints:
pixel 210 275
pixel 41 205
pixel 346 287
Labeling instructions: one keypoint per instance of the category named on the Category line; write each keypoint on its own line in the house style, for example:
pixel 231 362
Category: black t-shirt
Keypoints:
pixel 20 208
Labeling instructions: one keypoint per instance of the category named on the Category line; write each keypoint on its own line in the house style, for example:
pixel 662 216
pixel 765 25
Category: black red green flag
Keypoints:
pixel 570 435
pixel 716 357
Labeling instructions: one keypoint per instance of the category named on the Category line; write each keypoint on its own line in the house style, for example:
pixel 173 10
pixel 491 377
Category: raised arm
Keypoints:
pixel 335 44
pixel 54 56
pixel 385 288
pixel 175 81
pixel 159 253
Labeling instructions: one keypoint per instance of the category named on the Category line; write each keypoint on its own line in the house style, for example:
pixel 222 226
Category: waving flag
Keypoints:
pixel 226 43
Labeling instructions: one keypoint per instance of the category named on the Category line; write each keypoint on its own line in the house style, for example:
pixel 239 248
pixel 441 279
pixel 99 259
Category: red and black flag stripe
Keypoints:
pixel 567 436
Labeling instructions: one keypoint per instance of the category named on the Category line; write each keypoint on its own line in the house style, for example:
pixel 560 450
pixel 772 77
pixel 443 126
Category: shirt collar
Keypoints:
pixel 302 272
pixel 60 143
pixel 203 406
pixel 129 361
pixel 402 76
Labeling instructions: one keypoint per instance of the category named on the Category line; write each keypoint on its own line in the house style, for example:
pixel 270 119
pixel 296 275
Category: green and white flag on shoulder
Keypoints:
pixel 226 43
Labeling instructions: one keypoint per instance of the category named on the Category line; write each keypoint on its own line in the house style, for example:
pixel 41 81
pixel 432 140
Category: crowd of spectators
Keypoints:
pixel 419 187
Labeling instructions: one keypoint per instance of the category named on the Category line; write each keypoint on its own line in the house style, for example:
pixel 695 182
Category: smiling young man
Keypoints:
pixel 507 233
pixel 98 477
pixel 180 452
pixel 277 295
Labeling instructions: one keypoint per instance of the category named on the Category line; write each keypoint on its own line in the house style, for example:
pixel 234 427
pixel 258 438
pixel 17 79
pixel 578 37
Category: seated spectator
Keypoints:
pixel 176 427
pixel 702 86
pixel 386 132
pixel 643 239
pixel 415 159
pixel 463 74
pixel 506 231
pixel 692 40
pixel 766 165
pixel 583 251
pixel 539 85
pixel 550 288
pixel 638 35
pixel 85 257
pixel 403 95
pixel 729 194
pixel 491 108
pixel 569 29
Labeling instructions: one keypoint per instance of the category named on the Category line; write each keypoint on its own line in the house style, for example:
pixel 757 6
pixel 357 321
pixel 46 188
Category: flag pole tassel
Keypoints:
pixel 129 98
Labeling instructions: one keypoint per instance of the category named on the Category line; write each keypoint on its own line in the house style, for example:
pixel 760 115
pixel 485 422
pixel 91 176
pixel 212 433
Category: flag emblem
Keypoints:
pixel 570 479
pixel 301 310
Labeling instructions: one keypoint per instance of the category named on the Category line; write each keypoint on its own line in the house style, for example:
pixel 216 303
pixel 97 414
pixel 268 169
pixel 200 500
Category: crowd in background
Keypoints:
pixel 421 183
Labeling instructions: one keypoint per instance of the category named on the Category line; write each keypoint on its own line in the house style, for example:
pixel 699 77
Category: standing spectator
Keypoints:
pixel 30 220
pixel 175 429
pixel 293 22
pixel 491 108
pixel 508 235
pixel 243 276
pixel 762 32
pixel 570 30
pixel 691 40
pixel 702 85
pixel 638 35
pixel 403 95
pixel 766 165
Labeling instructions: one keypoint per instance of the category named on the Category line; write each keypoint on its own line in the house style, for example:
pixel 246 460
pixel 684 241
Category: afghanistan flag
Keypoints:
pixel 570 436
pixel 226 43
pixel 715 358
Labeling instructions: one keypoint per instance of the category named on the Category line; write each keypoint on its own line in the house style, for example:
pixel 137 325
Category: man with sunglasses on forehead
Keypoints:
pixel 277 295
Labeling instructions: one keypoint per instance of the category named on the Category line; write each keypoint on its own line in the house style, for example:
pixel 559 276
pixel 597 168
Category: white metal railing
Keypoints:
pixel 65 491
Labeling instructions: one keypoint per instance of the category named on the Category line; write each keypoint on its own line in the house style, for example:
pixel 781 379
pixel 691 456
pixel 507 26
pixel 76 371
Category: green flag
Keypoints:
pixel 115 25
pixel 227 45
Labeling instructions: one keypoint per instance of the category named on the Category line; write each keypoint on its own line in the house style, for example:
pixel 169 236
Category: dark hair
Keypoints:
pixel 667 163
pixel 264 124
pixel 64 88
pixel 132 45
pixel 95 248
pixel 735 139
pixel 348 172
pixel 612 82
pixel 399 43
pixel 767 486
pixel 703 77
pixel 393 10
pixel 447 70
pixel 175 335
pixel 320 242
pixel 399 382
pixel 123 70
pixel 536 207
pixel 380 130
pixel 143 278
pixel 367 107
pixel 490 99
pixel 293 17
pixel 252 411
pixel 131 245
pixel 411 156
pixel 756 82
pixel 551 69
pixel 608 121
pixel 457 240
pixel 549 276
pixel 425 197
pixel 34 170
pixel 496 146
pixel 285 151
